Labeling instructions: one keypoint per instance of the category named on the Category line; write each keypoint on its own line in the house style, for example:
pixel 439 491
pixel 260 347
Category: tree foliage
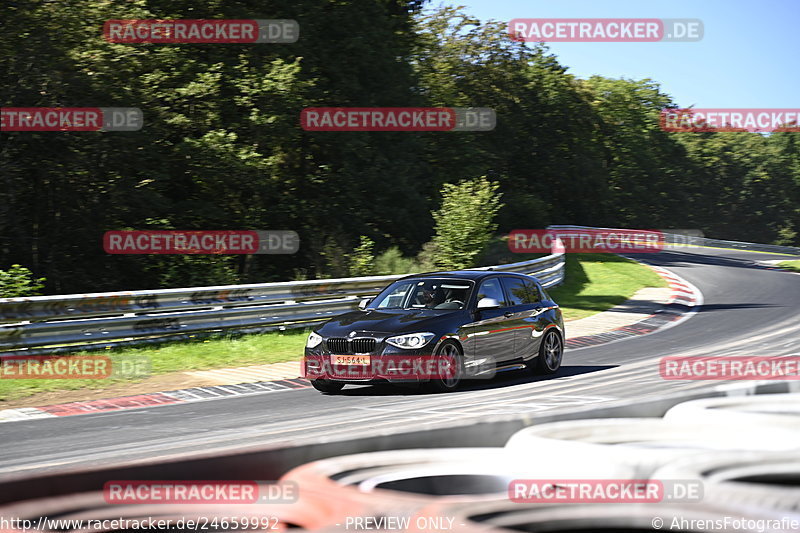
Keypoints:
pixel 465 222
pixel 222 147
pixel 19 281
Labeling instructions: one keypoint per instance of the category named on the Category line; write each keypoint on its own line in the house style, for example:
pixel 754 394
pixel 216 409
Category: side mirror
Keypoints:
pixel 364 303
pixel 488 303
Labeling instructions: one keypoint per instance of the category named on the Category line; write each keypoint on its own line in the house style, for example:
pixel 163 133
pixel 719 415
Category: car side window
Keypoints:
pixel 533 291
pixel 519 291
pixel 491 288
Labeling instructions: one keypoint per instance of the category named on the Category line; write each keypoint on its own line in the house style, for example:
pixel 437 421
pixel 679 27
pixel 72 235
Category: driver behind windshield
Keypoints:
pixel 438 297
pixel 428 296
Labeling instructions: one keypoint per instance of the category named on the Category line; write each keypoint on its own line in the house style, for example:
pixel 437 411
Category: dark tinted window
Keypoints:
pixel 491 289
pixel 544 294
pixel 533 290
pixel 520 291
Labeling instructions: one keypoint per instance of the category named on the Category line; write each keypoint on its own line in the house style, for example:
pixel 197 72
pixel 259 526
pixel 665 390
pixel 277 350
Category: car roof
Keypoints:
pixel 464 274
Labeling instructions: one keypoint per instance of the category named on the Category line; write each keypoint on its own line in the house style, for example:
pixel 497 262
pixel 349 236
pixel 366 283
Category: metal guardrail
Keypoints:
pixel 689 238
pixel 53 324
pixel 771 248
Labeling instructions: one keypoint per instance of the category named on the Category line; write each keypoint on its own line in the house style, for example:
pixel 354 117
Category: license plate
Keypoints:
pixel 350 359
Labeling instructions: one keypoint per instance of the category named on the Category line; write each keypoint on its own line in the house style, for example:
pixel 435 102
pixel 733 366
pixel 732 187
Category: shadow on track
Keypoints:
pixel 502 379
pixel 722 307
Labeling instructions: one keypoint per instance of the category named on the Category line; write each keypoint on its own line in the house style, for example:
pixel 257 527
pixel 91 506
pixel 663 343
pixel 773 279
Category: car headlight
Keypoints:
pixel 410 341
pixel 313 341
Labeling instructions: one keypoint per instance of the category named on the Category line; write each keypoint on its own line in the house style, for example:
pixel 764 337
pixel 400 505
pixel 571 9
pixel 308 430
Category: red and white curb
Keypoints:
pixel 196 394
pixel 684 301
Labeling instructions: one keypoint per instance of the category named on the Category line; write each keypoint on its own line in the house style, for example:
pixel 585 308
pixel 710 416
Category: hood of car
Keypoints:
pixel 390 322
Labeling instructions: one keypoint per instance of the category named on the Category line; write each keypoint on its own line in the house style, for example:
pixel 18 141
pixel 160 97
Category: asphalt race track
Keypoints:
pixel 748 310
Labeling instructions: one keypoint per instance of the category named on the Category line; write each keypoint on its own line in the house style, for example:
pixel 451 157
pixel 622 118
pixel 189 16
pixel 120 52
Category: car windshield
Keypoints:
pixel 424 293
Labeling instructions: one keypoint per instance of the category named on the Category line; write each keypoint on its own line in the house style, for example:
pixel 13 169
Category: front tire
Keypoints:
pixel 551 352
pixel 327 386
pixel 452 350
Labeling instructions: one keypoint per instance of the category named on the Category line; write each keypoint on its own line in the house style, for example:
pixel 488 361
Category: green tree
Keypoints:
pixel 391 261
pixel 465 222
pixel 362 260
pixel 543 151
pixel 19 281
pixel 649 182
pixel 221 147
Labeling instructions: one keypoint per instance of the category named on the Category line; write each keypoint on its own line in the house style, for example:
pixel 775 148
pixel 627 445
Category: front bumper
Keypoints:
pixel 386 364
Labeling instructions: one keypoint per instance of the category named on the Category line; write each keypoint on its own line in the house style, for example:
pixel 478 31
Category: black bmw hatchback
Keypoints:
pixel 478 321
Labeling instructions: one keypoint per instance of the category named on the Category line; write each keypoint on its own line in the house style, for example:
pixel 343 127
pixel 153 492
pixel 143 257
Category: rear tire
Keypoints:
pixel 551 352
pixel 327 386
pixel 449 384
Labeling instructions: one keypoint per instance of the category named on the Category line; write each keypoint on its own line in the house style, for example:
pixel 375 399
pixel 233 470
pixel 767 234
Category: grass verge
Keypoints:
pixel 594 283
pixel 196 354
pixel 794 266
pixel 597 282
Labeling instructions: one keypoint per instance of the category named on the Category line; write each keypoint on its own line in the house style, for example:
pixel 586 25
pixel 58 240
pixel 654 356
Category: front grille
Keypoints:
pixel 362 345
pixel 340 346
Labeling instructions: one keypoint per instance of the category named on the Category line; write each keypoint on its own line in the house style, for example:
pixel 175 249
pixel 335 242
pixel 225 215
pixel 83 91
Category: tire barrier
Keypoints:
pixel 646 444
pixel 400 482
pixel 509 517
pixel 778 410
pixel 768 482
pixel 748 470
